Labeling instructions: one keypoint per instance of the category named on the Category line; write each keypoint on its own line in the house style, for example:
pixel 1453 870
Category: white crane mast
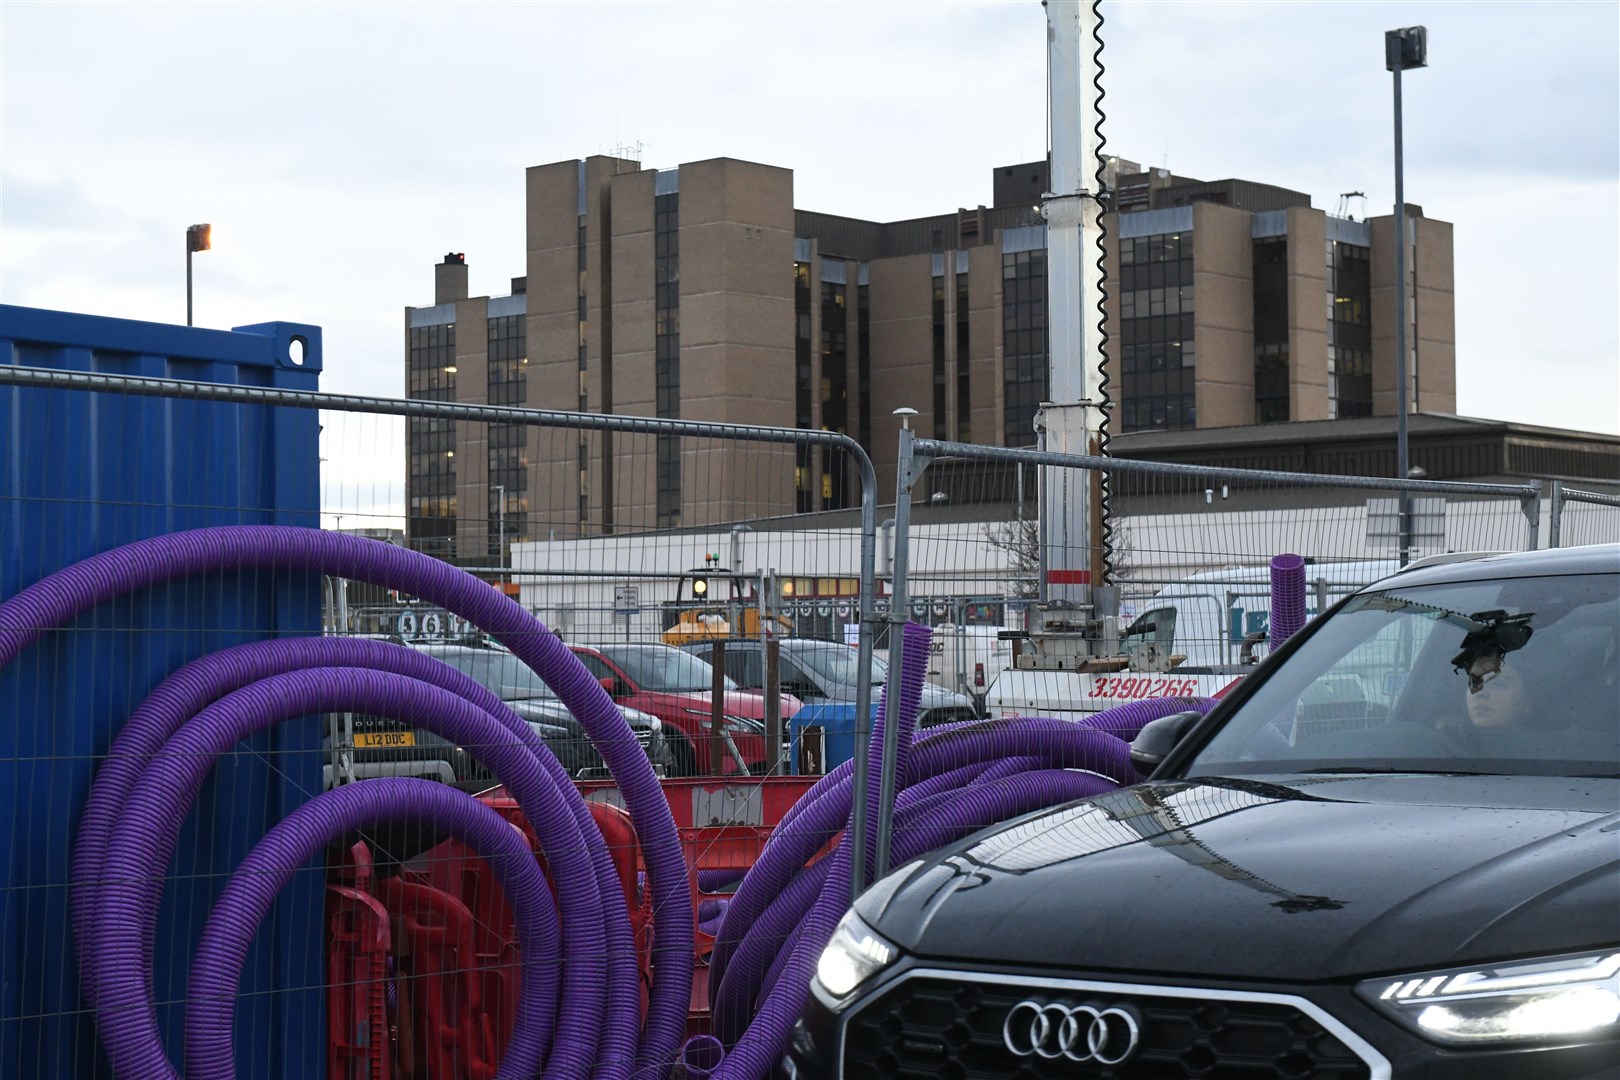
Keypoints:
pixel 1071 420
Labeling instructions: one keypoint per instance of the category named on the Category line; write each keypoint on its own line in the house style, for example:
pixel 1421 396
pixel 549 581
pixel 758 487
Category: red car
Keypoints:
pixel 677 687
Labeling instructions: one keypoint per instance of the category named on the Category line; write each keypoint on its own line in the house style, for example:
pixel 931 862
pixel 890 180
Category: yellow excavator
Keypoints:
pixel 712 603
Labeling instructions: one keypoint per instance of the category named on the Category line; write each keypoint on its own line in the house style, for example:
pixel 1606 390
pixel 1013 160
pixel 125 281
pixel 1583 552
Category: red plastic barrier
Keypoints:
pixel 451 1033
pixel 454 935
pixel 460 873
pixel 358 1037
pixel 699 801
pixel 625 851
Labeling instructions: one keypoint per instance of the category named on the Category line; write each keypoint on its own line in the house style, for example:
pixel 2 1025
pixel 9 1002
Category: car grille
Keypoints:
pixel 952 1030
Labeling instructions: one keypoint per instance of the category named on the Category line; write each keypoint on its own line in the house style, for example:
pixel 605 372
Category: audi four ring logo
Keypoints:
pixel 1056 1029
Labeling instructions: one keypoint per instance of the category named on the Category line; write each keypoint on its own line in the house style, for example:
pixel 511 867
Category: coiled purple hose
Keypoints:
pixel 951 781
pixel 202 681
pixel 217 966
pixel 160 798
pixel 85 585
pixel 1287 598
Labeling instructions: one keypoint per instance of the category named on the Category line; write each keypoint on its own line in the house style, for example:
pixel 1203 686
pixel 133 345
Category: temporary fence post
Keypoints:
pixel 773 707
pixel 717 708
pixel 1530 504
pixel 1555 515
pixel 905 483
pixel 863 679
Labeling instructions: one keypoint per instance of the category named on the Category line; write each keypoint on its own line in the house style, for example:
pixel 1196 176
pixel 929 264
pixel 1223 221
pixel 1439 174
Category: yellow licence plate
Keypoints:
pixel 369 740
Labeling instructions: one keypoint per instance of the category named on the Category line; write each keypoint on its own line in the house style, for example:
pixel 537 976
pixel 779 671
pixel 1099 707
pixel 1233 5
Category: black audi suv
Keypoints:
pixel 1391 852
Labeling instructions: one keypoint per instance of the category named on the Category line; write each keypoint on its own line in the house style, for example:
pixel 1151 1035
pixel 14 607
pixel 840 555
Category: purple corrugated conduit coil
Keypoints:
pixel 950 781
pixel 1287 598
pixel 701 1056
pixel 217 965
pixel 62 596
pixel 202 681
pixel 144 836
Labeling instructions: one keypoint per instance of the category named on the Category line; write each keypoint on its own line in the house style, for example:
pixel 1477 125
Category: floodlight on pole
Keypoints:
pixel 198 238
pixel 1404 49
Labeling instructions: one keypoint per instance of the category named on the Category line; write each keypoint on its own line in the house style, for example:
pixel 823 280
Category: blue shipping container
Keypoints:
pixel 82 472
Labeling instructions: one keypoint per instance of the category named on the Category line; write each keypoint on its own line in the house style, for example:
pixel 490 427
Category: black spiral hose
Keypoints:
pixel 1103 198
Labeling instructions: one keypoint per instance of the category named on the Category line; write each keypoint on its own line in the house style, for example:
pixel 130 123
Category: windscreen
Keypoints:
pixel 1503 676
pixel 665 669
pixel 501 672
pixel 838 664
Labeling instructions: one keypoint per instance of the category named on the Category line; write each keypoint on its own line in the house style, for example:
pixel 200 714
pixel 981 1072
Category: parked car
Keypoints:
pixel 383 747
pixel 678 688
pixel 826 671
pixel 1391 851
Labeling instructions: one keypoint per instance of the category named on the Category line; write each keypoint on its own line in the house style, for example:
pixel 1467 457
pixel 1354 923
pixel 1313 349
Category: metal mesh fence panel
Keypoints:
pixel 976 558
pixel 711 584
pixel 1160 598
pixel 1586 517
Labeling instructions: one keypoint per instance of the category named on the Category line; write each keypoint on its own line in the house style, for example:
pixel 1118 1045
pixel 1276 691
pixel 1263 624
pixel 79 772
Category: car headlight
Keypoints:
pixel 854 955
pixel 1535 999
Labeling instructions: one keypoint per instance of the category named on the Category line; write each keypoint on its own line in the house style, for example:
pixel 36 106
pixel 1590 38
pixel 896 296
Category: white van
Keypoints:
pixel 967 659
pixel 1193 638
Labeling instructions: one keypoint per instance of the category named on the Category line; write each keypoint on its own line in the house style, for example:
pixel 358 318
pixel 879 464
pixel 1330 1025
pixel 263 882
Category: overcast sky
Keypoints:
pixel 340 150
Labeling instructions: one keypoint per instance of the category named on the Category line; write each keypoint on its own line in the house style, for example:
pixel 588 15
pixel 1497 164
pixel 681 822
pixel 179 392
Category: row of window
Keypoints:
pixel 836 481
pixel 1155 275
pixel 940 430
pixel 508 367
pixel 1142 331
pixel 1172 300
pixel 504 436
pixel 964 388
pixel 1023 343
pixel 506 340
pixel 1271 383
pixel 431 518
pixel 803 495
pixel 667 353
pixel 1163 247
pixel 584 400
pixel 437 441
pixel 427 482
pixel 431 442
pixel 1349 396
pixel 1349 274
pixel 1167 412
pixel 1157 356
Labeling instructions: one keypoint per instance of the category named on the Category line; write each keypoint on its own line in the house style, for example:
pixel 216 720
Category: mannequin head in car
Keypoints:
pixel 1500 701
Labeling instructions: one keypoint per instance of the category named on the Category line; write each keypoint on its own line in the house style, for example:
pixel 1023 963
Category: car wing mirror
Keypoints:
pixel 1158 737
pixel 610 684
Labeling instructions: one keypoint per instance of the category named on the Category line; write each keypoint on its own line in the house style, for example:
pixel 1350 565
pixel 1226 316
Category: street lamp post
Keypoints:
pixel 1403 49
pixel 198 238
